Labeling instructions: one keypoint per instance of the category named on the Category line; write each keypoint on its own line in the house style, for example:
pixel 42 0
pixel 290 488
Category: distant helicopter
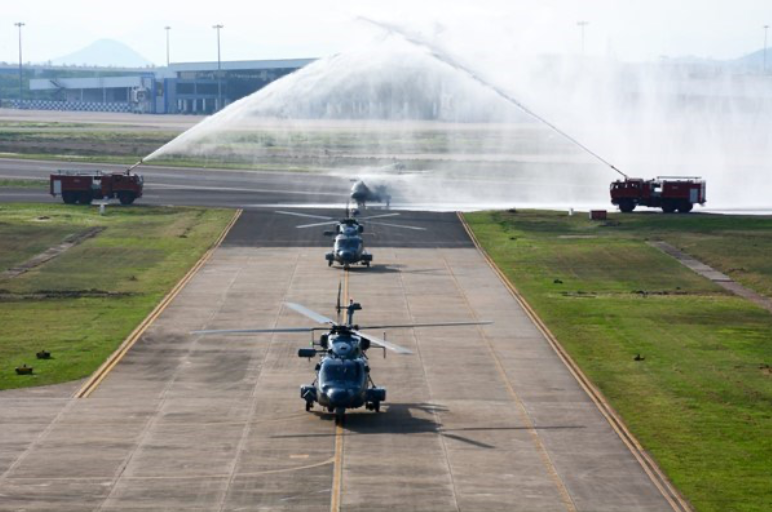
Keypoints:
pixel 343 379
pixel 348 246
pixel 361 194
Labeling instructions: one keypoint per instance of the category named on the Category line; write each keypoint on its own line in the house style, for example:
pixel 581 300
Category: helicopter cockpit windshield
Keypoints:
pixel 347 243
pixel 340 371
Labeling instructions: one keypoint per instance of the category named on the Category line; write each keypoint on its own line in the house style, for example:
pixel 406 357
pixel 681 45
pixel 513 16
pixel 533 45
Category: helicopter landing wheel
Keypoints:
pixel 377 406
pixel 367 264
pixel 309 406
pixel 329 263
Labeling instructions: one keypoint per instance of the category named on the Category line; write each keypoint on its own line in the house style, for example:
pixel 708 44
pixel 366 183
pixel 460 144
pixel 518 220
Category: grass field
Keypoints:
pixel 81 305
pixel 701 401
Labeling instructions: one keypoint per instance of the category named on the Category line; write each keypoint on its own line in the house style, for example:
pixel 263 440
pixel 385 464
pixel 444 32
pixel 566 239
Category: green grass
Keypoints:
pixel 701 402
pixel 36 125
pixel 81 305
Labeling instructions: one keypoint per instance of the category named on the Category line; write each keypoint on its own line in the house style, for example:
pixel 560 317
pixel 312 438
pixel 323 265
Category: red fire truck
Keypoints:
pixel 670 193
pixel 85 186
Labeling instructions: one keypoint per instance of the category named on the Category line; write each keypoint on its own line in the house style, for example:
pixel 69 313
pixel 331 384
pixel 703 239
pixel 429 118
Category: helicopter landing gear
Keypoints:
pixel 367 264
pixel 374 406
pixel 309 405
pixel 339 413
pixel 329 263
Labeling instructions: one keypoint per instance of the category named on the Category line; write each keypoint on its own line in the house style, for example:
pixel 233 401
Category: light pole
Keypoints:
pixel 219 67
pixel 167 28
pixel 764 68
pixel 19 24
pixel 581 25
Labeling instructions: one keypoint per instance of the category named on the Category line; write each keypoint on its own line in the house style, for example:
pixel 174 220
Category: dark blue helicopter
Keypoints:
pixel 362 194
pixel 343 378
pixel 348 245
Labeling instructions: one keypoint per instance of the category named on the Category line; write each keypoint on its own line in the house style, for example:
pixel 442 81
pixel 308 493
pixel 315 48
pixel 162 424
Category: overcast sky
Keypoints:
pixel 627 29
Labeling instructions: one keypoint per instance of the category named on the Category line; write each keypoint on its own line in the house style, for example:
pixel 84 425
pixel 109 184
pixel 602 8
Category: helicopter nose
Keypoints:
pixel 345 255
pixel 338 396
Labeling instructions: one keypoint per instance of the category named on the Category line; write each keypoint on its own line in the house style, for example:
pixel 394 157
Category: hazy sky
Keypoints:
pixel 627 29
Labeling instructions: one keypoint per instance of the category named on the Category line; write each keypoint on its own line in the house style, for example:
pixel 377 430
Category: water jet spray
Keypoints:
pixel 447 60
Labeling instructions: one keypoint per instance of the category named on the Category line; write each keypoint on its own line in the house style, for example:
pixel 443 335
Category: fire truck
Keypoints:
pixel 670 193
pixel 83 187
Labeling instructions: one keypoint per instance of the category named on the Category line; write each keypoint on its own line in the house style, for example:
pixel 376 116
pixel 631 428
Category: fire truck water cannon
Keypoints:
pixel 670 193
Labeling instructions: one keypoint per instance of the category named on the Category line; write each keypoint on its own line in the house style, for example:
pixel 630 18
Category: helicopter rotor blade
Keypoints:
pixel 383 343
pixel 380 216
pixel 397 226
pixel 412 326
pixel 257 331
pixel 313 315
pixel 317 224
pixel 298 214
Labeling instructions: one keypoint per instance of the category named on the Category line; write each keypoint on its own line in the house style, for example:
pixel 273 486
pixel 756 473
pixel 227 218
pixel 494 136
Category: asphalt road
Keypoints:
pixel 110 120
pixel 192 186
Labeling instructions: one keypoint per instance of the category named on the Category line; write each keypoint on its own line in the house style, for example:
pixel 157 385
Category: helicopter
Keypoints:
pixel 348 246
pixel 361 194
pixel 343 380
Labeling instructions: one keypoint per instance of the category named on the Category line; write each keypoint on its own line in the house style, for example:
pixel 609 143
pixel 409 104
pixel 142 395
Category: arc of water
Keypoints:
pixel 447 60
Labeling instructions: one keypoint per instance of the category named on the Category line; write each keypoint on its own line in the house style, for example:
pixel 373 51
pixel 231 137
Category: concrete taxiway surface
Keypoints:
pixel 479 418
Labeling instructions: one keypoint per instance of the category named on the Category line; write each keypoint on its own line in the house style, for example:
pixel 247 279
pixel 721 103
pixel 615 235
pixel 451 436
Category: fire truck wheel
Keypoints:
pixel 125 197
pixel 668 207
pixel 69 197
pixel 626 205
pixel 685 207
pixel 85 198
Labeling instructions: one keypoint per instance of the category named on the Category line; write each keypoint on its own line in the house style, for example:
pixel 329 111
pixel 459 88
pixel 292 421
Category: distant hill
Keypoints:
pixel 104 52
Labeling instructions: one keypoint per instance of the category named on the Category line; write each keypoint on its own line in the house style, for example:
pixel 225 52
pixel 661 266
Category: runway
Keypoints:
pixel 190 186
pixel 479 418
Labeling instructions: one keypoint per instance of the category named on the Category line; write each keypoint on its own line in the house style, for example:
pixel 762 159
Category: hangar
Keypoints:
pixel 181 88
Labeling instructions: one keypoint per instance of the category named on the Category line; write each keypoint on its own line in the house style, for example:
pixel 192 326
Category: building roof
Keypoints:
pixel 135 80
pixel 234 65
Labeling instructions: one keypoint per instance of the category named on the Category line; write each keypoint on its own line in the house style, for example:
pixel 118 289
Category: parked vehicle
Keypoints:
pixel 85 186
pixel 670 193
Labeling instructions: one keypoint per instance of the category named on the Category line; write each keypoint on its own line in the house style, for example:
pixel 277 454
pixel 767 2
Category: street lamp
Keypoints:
pixel 581 25
pixel 167 28
pixel 764 69
pixel 19 24
pixel 219 67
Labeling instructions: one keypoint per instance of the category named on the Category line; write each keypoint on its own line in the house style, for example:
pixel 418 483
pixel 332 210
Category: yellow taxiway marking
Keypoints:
pixel 652 470
pixel 98 376
pixel 337 476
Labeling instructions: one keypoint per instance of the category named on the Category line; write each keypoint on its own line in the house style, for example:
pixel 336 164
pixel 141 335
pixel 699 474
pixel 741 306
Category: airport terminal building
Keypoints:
pixel 183 88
